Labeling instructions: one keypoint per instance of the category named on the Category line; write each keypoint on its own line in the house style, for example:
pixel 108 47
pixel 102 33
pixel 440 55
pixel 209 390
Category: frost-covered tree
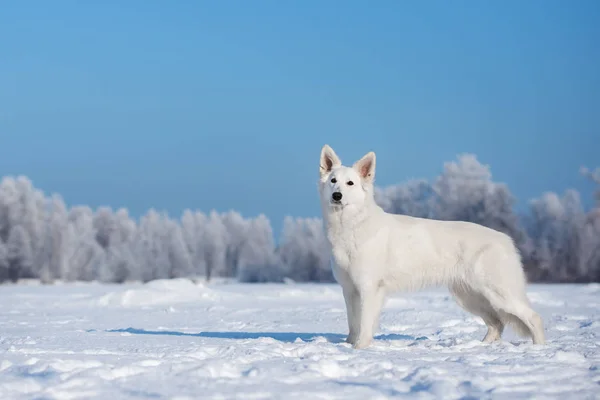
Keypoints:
pixel 238 232
pixel 590 246
pixel 258 247
pixel 19 253
pixel 9 206
pixel 180 263
pixel 118 241
pixel 257 259
pixel 159 249
pixel 33 211
pixel 121 264
pixel 54 264
pixel 192 230
pixel 104 222
pixel 84 255
pixel 555 228
pixel 304 250
pixel 466 192
pixel 590 239
pixel 3 262
pixel 21 204
pixel 414 198
pixel 150 247
pixel 215 245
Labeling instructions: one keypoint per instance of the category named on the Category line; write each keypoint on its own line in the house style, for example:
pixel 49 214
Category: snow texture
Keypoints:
pixel 176 339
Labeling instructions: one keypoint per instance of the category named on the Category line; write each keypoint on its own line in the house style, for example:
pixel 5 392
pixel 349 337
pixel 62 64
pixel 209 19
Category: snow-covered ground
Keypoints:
pixel 180 340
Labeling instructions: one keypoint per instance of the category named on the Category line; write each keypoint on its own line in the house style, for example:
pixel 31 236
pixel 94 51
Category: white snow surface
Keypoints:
pixel 180 340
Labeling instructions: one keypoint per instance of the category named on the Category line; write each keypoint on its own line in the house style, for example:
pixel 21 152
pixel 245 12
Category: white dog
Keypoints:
pixel 374 253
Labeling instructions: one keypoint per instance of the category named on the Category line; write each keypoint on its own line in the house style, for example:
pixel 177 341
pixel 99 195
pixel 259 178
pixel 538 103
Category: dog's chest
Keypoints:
pixel 342 257
pixel 344 249
pixel 352 241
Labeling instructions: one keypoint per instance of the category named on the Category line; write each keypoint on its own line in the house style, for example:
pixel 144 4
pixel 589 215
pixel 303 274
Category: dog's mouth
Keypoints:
pixel 336 203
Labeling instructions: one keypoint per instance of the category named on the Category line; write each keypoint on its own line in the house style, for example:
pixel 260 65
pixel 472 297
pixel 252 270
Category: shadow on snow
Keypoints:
pixel 289 337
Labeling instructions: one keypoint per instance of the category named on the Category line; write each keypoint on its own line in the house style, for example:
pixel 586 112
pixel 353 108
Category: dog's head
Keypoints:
pixel 342 186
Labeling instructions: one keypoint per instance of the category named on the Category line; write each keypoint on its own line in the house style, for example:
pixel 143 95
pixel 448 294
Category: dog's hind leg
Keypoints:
pixel 525 322
pixel 380 298
pixel 477 304
pixel 517 312
pixel 502 282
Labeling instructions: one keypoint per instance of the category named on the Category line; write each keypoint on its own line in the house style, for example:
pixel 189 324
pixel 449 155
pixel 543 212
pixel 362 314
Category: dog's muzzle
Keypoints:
pixel 336 199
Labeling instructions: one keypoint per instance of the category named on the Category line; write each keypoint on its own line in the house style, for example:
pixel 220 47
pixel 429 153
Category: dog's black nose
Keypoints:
pixel 337 196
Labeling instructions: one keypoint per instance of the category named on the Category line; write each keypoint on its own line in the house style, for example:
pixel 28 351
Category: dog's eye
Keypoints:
pixel 350 183
pixel 333 180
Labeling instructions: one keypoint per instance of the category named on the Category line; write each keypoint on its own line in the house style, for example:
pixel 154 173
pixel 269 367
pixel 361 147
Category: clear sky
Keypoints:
pixel 226 104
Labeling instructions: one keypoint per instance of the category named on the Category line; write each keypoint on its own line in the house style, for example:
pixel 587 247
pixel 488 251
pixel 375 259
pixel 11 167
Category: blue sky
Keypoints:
pixel 225 105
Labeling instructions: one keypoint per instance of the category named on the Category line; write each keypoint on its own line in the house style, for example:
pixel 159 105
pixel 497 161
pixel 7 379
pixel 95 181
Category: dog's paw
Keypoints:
pixel 351 339
pixel 362 344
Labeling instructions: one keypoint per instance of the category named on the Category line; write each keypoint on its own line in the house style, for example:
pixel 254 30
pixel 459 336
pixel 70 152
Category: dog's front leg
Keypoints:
pixel 352 307
pixel 370 303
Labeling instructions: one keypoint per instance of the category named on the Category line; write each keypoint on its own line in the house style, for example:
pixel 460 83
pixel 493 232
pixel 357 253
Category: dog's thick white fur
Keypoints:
pixel 375 253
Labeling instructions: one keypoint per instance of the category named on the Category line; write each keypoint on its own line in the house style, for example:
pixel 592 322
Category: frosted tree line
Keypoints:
pixel 40 237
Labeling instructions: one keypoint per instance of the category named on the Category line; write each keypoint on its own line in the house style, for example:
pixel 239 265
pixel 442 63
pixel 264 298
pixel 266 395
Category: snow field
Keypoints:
pixel 176 339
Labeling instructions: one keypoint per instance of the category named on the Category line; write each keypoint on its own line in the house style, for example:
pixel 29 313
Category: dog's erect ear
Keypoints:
pixel 329 160
pixel 366 167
